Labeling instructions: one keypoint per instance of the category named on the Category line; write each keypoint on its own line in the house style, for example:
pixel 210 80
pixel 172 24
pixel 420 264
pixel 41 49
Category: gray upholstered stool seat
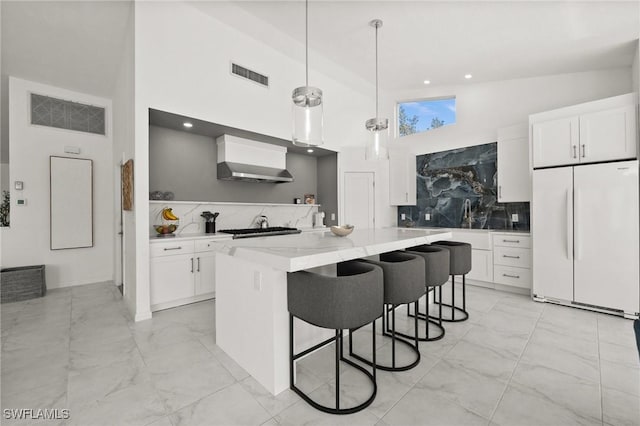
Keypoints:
pixel 436 263
pixel 460 264
pixel 403 283
pixel 350 300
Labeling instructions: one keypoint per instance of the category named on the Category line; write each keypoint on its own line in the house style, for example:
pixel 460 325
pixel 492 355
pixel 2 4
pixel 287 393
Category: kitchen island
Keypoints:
pixel 252 323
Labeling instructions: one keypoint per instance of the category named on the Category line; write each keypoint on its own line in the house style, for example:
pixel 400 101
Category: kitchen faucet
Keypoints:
pixel 262 221
pixel 467 212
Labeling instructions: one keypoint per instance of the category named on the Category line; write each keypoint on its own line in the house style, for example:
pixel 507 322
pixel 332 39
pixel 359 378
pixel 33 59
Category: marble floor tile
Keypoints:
pixel 163 421
pixel 486 361
pixel 423 406
pixel 619 408
pixel 616 330
pixel 85 356
pixel 572 340
pixel 134 405
pixel 169 357
pixel 562 358
pixel 511 343
pixel 576 394
pixel 88 386
pixel 274 404
pixel 232 405
pixel 33 377
pixel 188 383
pixel 302 414
pixel 620 377
pixel 524 406
pixel 232 367
pixel 620 354
pixel 48 395
pixel 472 390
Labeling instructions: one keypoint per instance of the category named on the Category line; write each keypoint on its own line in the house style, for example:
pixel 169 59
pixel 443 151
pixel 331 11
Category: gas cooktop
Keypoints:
pixel 260 232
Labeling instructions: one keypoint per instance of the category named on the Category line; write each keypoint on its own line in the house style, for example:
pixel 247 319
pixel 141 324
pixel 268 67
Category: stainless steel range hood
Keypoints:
pixel 251 173
pixel 250 161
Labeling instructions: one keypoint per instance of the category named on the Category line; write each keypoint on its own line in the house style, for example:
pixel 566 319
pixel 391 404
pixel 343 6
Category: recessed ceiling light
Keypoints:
pixel 309 150
pixel 427 82
pixel 468 76
pixel 187 125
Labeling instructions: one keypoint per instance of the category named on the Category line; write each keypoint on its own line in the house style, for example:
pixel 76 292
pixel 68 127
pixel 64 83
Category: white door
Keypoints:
pixel 205 273
pixel 359 199
pixel 606 235
pixel 514 179
pixel 552 226
pixel 555 142
pixel 608 135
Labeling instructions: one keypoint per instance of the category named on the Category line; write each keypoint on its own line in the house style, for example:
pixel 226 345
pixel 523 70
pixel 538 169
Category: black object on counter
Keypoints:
pixel 210 221
pixel 260 232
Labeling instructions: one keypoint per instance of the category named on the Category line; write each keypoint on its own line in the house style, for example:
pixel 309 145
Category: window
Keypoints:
pixel 427 114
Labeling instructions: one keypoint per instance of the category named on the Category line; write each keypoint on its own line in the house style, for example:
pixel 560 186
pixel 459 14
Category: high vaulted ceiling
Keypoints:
pixel 441 41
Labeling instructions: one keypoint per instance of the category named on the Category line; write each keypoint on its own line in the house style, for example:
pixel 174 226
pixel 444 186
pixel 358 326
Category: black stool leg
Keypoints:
pixel 338 344
pixel 464 295
pixel 291 373
pixel 453 297
pixel 393 336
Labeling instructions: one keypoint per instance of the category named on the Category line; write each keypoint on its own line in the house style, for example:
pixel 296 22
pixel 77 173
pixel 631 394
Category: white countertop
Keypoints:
pixel 475 230
pixel 296 252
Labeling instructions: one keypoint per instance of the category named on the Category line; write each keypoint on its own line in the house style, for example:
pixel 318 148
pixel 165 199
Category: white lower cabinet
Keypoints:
pixel 181 272
pixel 481 265
pixel 512 260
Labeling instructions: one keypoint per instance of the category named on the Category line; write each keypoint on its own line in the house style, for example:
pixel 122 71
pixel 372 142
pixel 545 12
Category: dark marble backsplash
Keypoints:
pixel 446 179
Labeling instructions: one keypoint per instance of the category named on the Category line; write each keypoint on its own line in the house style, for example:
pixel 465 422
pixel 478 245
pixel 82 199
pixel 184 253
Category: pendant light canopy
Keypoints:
pixel 376 148
pixel 307 104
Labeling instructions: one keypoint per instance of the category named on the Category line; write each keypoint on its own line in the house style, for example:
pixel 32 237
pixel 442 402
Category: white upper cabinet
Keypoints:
pixel 602 130
pixel 402 178
pixel 608 135
pixel 556 142
pixel 514 177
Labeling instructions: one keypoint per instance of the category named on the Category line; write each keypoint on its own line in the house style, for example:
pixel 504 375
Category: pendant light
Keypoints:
pixel 307 104
pixel 376 148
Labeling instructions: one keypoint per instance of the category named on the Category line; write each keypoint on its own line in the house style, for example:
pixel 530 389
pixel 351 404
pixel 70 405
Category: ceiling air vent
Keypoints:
pixel 52 112
pixel 243 72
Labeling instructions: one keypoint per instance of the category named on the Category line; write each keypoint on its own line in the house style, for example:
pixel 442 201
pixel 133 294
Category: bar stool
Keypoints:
pixel 460 264
pixel 403 283
pixel 350 300
pixel 436 264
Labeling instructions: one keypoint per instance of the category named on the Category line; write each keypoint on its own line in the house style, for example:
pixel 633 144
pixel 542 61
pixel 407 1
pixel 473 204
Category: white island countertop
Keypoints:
pixel 297 252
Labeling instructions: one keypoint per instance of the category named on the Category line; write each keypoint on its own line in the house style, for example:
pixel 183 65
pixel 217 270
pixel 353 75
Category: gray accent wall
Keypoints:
pixel 328 187
pixel 185 164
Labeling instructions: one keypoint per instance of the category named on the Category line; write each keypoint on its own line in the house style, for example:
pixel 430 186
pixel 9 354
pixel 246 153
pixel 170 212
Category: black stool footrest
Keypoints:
pixel 432 320
pixel 465 314
pixel 349 410
pixel 386 367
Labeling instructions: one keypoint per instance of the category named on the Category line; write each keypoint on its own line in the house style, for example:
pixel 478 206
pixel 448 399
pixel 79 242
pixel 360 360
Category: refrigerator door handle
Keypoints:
pixel 569 224
pixel 576 227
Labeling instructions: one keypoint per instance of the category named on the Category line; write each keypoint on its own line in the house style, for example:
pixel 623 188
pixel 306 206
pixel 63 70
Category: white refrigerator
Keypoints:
pixel 584 223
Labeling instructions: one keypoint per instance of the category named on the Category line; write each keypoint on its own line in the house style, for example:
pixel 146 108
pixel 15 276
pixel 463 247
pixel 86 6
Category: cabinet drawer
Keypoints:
pixel 171 248
pixel 510 256
pixel 507 275
pixel 512 240
pixel 205 245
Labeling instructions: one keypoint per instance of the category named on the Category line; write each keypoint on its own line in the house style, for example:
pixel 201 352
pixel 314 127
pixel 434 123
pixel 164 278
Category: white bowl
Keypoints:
pixel 342 231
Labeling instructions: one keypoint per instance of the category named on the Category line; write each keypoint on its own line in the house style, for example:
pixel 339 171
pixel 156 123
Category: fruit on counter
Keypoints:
pixel 167 214
pixel 165 229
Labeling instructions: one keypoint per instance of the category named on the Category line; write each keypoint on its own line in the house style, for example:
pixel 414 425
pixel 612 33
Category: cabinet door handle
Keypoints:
pixel 499 191
pixel 511 276
pixel 198 265
pixel 574 152
pixel 192 265
pixel 172 248
pixel 406 196
pixel 584 151
pixel 511 241
pixel 511 257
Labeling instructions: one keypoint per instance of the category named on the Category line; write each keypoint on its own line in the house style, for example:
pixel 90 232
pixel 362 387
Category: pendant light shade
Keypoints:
pixel 377 144
pixel 307 104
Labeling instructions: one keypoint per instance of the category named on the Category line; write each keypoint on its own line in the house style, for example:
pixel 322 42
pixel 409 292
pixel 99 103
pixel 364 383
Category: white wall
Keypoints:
pixel 123 150
pixel 635 69
pixel 482 108
pixel 182 62
pixel 26 242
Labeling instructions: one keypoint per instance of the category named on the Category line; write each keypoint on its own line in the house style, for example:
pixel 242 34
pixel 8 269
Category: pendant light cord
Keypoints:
pixel 377 71
pixel 306 41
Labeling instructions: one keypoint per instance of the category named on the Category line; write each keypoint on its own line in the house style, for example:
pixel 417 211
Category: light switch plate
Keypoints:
pixel 402 216
pixel 514 217
pixel 19 185
pixel 333 216
pixel 427 216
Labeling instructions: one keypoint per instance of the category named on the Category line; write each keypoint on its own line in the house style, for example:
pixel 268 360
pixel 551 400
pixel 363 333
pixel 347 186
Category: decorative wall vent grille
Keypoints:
pixel 52 112
pixel 243 72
